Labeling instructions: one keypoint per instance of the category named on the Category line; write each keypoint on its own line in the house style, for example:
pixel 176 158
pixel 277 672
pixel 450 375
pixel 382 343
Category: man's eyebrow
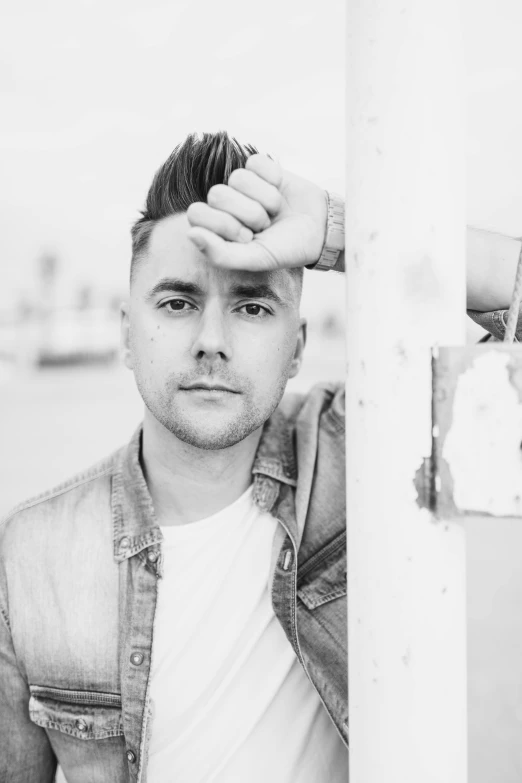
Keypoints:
pixel 256 291
pixel 173 284
pixel 238 290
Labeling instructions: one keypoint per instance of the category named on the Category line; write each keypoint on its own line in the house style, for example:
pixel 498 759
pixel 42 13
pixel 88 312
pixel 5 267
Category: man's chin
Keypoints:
pixel 210 440
pixel 212 431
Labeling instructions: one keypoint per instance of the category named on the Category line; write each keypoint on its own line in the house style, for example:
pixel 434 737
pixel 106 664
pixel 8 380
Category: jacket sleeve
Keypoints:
pixel 26 755
pixel 495 323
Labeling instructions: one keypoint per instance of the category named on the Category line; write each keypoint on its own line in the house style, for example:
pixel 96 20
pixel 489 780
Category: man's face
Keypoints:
pixel 211 349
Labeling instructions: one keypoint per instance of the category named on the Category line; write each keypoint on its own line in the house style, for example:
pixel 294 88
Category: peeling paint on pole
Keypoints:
pixel 405 260
pixel 478 411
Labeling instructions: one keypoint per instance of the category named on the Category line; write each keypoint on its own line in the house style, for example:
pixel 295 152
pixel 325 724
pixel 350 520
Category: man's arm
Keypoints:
pixel 265 218
pixel 491 265
pixel 26 755
pixel 268 218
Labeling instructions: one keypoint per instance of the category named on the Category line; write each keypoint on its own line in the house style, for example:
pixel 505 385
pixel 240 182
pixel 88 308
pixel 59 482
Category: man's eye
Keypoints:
pixel 255 310
pixel 176 305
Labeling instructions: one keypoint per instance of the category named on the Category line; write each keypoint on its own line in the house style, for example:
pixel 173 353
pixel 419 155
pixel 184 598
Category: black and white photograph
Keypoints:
pixel 172 364
pixel 261 392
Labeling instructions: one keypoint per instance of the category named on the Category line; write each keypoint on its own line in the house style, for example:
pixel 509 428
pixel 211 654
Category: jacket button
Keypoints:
pixel 131 756
pixel 152 555
pixel 137 658
pixel 287 560
pixel 125 542
pixel 81 725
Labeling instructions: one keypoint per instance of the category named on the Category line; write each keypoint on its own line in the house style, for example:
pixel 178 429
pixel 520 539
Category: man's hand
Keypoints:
pixel 265 218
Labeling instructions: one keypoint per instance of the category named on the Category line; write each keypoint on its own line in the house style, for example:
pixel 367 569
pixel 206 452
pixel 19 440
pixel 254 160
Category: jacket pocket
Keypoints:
pixel 86 715
pixel 323 577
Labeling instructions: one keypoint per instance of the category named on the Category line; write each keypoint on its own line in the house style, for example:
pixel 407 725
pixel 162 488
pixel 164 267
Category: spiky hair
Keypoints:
pixel 186 177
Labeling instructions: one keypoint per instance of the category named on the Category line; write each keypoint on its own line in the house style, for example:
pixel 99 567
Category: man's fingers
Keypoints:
pixel 221 223
pixel 252 185
pixel 266 168
pixel 231 255
pixel 245 209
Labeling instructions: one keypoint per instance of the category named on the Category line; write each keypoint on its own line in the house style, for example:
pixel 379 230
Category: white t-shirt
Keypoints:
pixel 230 701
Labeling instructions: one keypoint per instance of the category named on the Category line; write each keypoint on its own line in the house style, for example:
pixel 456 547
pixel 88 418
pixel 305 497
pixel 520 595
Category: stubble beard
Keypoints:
pixel 189 427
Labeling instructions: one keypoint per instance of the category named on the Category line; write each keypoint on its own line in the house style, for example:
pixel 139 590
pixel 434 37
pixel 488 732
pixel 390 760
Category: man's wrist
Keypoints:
pixel 333 245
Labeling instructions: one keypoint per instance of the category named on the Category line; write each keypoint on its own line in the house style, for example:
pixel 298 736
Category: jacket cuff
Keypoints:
pixel 495 323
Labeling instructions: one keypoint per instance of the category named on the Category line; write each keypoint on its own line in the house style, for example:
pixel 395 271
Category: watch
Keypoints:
pixel 334 241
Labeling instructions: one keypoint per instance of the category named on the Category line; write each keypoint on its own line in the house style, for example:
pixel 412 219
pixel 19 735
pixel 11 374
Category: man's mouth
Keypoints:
pixel 208 387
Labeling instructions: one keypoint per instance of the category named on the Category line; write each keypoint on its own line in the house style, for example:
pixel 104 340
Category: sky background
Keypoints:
pixel 494 110
pixel 95 95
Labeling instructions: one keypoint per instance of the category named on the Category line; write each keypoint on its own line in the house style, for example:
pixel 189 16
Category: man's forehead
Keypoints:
pixel 171 254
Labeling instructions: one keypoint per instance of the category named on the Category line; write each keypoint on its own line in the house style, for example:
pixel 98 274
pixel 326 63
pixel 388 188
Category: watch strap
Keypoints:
pixel 334 240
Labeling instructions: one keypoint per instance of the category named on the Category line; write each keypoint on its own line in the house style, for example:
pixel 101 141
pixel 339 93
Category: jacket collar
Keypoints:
pixel 135 525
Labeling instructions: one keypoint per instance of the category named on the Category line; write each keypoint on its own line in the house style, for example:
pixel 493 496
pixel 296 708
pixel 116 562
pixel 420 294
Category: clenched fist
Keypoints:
pixel 265 218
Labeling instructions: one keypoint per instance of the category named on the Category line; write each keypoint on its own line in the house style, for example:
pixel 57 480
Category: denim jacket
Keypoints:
pixel 495 322
pixel 79 569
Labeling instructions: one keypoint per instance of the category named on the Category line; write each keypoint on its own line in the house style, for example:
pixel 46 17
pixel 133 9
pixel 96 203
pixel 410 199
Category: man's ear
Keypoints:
pixel 125 350
pixel 299 349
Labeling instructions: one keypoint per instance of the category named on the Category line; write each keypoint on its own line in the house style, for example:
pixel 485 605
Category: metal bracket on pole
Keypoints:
pixel 476 462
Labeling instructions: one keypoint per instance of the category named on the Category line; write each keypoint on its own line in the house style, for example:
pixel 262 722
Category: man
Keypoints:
pixel 178 612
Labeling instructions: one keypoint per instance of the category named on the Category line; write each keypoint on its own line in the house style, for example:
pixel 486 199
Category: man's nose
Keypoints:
pixel 212 337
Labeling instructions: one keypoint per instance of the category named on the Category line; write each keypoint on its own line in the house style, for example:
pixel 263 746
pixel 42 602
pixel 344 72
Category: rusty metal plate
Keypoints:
pixel 476 465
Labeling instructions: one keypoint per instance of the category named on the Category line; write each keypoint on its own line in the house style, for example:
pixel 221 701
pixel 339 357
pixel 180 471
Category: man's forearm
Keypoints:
pixel 491 264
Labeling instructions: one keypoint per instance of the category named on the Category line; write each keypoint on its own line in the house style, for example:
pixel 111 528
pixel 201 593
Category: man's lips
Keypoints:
pixel 209 387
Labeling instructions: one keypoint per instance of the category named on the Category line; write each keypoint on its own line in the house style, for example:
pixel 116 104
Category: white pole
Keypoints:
pixel 405 293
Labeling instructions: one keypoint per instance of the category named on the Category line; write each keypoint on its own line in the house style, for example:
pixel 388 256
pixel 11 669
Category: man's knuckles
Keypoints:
pixel 245 209
pixel 256 188
pixel 266 168
pixel 221 223
pixel 217 196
